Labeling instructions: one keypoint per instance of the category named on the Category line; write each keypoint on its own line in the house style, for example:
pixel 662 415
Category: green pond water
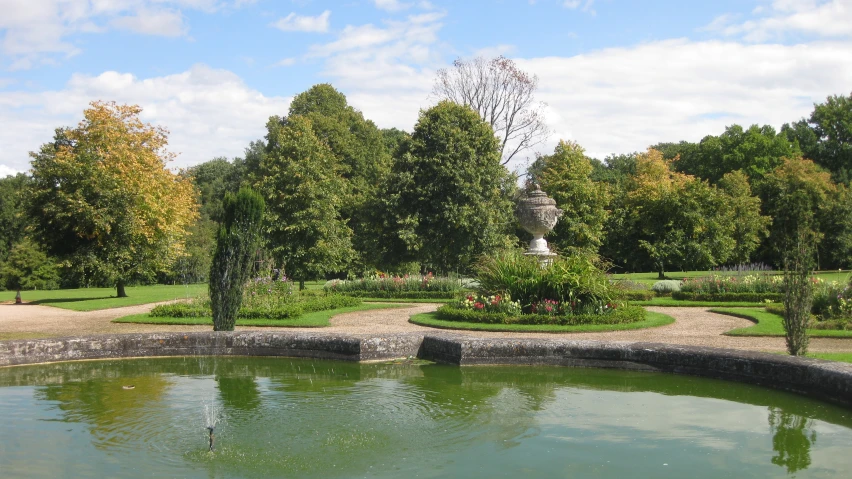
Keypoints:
pixel 277 417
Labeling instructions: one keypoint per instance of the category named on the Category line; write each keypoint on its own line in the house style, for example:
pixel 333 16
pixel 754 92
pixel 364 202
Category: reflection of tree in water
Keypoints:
pixel 792 438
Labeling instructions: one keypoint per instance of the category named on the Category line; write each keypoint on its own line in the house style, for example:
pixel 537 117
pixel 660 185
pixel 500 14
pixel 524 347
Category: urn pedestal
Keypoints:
pixel 538 214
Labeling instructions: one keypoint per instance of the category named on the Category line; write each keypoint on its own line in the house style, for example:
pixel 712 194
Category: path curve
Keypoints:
pixel 692 326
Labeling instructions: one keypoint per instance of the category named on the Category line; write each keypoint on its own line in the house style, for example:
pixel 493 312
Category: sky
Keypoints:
pixel 616 75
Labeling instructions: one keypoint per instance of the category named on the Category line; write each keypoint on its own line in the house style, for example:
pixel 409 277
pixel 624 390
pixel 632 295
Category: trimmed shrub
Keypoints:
pixel 201 308
pixel 666 287
pixel 726 297
pixel 383 286
pixel 752 283
pixel 621 315
pixel 634 295
pixel 401 294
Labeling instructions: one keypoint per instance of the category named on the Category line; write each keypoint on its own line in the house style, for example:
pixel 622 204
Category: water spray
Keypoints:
pixel 210 430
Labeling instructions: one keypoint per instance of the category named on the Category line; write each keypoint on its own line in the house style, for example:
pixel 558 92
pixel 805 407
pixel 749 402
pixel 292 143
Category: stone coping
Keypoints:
pixel 827 380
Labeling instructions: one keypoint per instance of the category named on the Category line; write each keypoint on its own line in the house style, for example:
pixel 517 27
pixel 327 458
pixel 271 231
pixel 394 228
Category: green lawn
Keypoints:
pixel 668 301
pixel 651 278
pixel 770 324
pixel 431 320
pixel 317 319
pixel 842 357
pixel 91 299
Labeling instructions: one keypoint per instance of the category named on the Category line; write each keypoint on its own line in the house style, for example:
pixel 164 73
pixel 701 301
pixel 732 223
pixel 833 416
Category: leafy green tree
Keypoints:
pixel 236 245
pixel 755 151
pixel 213 179
pixel 362 156
pixel 566 177
pixel 304 191
pixel 28 267
pixel 749 226
pixel 677 219
pixel 102 199
pixel 826 137
pixel 449 196
pixel 12 219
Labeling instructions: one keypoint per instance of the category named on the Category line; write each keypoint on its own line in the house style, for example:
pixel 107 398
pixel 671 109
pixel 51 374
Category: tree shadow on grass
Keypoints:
pixel 66 300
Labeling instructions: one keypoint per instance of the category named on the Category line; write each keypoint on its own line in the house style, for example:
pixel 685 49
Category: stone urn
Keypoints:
pixel 538 214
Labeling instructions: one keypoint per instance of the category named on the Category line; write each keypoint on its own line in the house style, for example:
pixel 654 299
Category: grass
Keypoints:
pixel 770 324
pixel 316 319
pixel 14 336
pixel 91 299
pixel 842 357
pixel 668 301
pixel 651 278
pixel 652 320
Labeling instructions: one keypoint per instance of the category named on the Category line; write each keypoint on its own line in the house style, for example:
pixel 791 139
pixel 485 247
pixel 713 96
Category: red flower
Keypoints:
pixel 478 305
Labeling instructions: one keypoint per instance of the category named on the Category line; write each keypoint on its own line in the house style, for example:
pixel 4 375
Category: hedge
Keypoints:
pixel 624 314
pixel 635 294
pixel 401 294
pixel 289 311
pixel 724 297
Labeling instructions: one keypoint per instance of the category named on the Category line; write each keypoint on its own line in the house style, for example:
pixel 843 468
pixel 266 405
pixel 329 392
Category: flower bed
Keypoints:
pixel 718 284
pixel 403 287
pixel 547 313
pixel 729 297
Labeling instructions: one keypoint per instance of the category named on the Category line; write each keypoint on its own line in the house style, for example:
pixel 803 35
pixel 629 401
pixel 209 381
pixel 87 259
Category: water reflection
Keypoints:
pixel 792 438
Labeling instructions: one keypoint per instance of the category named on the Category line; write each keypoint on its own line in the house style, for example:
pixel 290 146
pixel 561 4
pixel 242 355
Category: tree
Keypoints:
pixel 449 197
pixel 826 137
pixel 749 226
pixel 103 201
pixel 676 219
pixel 503 96
pixel 236 246
pixel 27 267
pixel 12 193
pixel 566 177
pixel 304 191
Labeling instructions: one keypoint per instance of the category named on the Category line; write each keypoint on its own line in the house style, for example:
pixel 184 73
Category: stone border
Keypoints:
pixel 827 380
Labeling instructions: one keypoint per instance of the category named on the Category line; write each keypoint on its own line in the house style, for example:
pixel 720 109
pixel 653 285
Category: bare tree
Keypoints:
pixel 502 94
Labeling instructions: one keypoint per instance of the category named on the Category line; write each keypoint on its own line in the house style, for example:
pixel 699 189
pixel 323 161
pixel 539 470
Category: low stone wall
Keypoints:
pixel 823 379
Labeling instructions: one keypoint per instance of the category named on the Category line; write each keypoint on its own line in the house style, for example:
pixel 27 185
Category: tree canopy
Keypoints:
pixel 103 200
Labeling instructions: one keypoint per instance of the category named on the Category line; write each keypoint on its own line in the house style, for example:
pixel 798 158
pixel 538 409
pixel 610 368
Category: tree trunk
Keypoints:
pixel 661 274
pixel 301 285
pixel 119 288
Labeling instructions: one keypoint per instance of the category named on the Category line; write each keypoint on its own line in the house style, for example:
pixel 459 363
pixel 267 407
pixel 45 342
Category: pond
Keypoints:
pixel 277 417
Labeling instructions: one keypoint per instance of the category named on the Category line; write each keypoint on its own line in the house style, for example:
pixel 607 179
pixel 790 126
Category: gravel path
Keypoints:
pixel 693 326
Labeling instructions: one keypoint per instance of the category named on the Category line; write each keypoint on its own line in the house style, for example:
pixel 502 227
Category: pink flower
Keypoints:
pixel 478 305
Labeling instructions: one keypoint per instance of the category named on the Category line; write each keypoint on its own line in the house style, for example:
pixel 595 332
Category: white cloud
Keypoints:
pixel 584 5
pixel 209 112
pixel 285 62
pixel 168 23
pixel 783 17
pixel 299 23
pixel 35 32
pixel 6 171
pixel 392 5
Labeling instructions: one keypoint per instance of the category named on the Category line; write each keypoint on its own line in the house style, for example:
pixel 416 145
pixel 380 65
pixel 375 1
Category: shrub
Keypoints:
pixel 575 280
pixel 752 283
pixel 200 308
pixel 744 297
pixel 666 286
pixel 832 300
pixel 382 283
pixel 400 294
pixel 634 295
pixel 618 315
pixel 236 243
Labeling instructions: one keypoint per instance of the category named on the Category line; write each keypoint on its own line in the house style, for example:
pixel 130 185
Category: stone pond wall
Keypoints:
pixel 830 381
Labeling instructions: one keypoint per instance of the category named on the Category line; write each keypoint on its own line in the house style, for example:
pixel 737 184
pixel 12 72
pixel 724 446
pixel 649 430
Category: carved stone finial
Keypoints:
pixel 538 214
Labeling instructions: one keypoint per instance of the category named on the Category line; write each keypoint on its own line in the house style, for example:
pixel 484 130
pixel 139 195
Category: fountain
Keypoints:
pixel 538 214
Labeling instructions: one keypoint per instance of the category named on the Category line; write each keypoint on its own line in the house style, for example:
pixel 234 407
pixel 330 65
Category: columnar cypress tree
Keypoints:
pixel 236 242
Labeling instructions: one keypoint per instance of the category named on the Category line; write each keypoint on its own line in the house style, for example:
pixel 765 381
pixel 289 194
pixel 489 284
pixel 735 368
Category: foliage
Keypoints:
pixel 749 227
pixel 396 284
pixel 236 245
pixel 832 300
pixel 770 324
pixel 619 315
pixel 503 96
pixel 489 304
pixel 666 286
pixel 675 219
pixel 304 191
pixel 826 136
pixel 28 267
pixel 103 201
pixel 575 280
pixel 448 198
pixel 12 219
pixel 272 309
pixel 433 320
pixel 727 297
pixel 749 283
pixel 565 176
pixel 798 291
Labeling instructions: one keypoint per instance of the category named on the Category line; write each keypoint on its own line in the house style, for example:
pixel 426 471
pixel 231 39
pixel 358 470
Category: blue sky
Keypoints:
pixel 616 75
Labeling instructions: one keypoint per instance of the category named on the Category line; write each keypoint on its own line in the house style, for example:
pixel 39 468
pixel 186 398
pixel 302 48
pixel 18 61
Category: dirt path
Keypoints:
pixel 693 326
